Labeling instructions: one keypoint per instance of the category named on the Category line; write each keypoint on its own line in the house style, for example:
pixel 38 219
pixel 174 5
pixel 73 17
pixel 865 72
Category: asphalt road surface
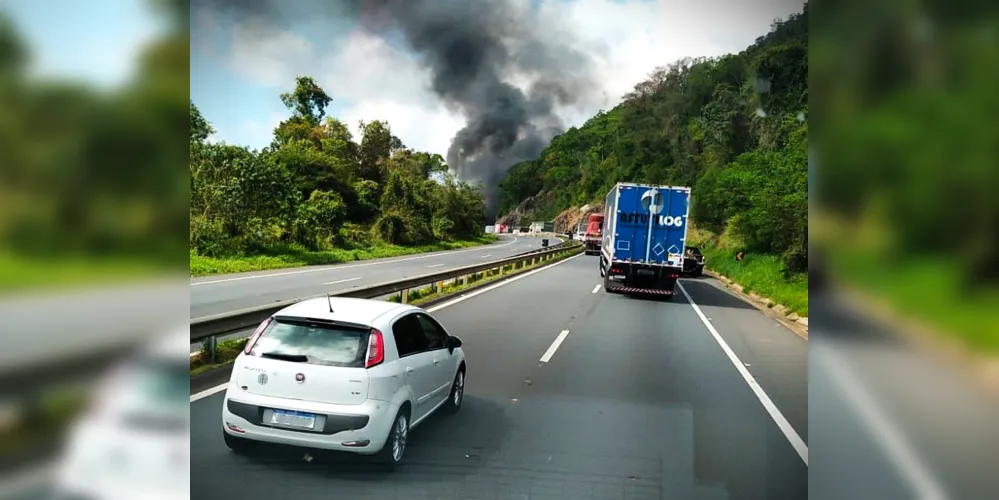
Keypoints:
pixel 231 292
pixel 638 400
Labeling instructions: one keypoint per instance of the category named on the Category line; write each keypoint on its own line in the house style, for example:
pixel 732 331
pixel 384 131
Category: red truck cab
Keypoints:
pixel 594 234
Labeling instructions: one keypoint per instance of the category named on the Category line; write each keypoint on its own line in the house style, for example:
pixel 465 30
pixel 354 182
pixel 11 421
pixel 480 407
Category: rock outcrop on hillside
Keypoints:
pixel 569 219
pixel 523 214
pixel 526 212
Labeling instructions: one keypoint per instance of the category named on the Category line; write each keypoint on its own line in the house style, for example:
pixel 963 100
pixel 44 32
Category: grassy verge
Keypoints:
pixel 863 254
pixel 428 293
pixel 227 350
pixel 292 257
pixel 929 290
pixel 21 272
pixel 758 273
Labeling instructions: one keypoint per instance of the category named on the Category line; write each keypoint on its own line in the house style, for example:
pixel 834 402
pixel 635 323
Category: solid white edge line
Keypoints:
pixel 208 392
pixel 338 267
pixel 596 289
pixel 792 436
pixel 554 347
pixel 217 389
pixel 900 452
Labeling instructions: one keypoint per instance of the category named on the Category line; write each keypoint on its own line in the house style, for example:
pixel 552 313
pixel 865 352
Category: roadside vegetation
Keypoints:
pixel 316 195
pixel 904 205
pixel 291 256
pixel 91 189
pixel 734 128
pixel 763 274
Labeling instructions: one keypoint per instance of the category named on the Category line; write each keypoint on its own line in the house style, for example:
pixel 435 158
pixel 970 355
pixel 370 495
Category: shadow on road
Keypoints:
pixel 442 441
pixel 706 294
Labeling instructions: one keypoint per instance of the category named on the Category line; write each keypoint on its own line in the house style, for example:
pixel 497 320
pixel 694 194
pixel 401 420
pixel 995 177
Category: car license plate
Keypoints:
pixel 289 418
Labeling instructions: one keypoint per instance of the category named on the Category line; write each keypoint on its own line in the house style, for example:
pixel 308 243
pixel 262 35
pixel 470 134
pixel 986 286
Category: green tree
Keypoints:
pixel 308 101
pixel 317 188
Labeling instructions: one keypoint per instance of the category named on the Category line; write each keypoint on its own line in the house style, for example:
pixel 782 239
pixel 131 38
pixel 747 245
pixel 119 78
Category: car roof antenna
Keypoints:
pixel 329 301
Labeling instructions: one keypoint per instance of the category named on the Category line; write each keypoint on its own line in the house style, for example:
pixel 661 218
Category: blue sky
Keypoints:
pixel 94 40
pixel 242 109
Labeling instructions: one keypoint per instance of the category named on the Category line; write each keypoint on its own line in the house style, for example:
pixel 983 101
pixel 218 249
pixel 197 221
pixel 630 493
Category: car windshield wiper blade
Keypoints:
pixel 297 358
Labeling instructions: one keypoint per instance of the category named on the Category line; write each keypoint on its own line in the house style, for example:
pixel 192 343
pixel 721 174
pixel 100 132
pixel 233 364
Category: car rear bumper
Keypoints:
pixel 356 428
pixel 692 267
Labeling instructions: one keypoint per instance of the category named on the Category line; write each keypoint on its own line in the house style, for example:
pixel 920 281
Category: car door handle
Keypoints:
pixel 436 361
pixel 409 369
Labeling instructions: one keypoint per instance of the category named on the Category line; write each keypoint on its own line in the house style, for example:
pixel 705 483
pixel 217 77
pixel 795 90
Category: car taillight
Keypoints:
pixel 256 334
pixel 376 348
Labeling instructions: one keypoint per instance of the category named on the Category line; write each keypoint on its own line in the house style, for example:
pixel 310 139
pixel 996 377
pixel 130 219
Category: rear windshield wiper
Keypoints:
pixel 296 358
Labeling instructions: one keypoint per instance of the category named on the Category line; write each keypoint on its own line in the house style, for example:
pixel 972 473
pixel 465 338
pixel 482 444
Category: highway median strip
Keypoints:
pixel 205 366
pixel 429 294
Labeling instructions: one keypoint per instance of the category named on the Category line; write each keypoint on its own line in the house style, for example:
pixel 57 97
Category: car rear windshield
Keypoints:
pixel 157 382
pixel 313 342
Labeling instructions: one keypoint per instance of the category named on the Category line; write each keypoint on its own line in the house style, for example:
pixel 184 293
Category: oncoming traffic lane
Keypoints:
pixel 617 410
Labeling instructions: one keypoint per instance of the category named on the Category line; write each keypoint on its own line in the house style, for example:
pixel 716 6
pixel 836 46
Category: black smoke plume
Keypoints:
pixel 474 50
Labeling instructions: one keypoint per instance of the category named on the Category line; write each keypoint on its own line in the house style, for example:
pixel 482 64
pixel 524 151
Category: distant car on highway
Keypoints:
pixel 342 374
pixel 135 437
pixel 693 263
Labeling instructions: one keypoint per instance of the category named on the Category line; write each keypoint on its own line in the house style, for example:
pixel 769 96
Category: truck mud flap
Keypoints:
pixel 649 291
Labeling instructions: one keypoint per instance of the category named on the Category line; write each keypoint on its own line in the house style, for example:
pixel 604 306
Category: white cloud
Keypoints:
pixel 626 41
pixel 421 127
pixel 268 55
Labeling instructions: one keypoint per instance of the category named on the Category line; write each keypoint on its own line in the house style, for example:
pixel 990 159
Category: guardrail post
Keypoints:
pixel 211 349
pixel 405 296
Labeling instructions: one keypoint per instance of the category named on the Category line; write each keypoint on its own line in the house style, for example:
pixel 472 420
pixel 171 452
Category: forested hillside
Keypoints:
pixel 734 128
pixel 317 195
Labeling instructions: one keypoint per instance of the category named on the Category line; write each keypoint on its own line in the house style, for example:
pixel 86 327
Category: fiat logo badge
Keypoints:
pixel 262 378
pixel 299 377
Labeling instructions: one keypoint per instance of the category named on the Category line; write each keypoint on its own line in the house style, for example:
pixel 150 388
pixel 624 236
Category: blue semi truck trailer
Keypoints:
pixel 645 232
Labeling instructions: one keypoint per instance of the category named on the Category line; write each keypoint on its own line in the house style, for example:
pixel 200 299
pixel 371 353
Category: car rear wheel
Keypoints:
pixel 238 445
pixel 395 445
pixel 457 392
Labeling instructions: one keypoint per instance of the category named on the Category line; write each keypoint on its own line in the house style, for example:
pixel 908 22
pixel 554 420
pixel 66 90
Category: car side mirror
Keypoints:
pixel 453 343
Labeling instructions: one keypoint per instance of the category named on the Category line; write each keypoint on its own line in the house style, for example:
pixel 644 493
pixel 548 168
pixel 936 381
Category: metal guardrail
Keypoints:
pixel 210 327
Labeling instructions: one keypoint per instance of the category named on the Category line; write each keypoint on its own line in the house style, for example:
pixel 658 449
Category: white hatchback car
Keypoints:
pixel 342 374
pixel 134 441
